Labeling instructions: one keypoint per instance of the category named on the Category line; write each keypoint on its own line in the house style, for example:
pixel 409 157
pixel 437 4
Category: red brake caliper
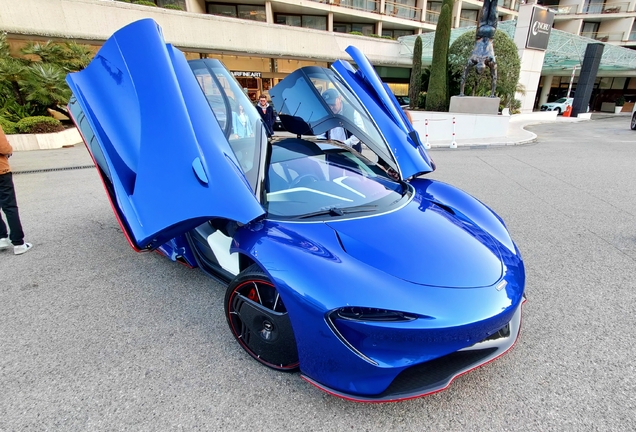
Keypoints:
pixel 252 295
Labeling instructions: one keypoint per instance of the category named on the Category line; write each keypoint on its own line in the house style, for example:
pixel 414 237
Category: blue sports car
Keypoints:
pixel 348 265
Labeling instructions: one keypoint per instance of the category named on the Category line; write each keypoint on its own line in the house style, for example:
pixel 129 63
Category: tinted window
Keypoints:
pixel 238 118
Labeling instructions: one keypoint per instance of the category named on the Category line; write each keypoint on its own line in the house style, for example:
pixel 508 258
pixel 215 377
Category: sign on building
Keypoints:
pixel 540 27
pixel 245 74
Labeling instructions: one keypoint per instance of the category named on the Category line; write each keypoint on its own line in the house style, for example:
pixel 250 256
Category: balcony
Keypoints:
pixel 400 10
pixel 465 22
pixel 363 5
pixel 604 36
pixel 432 17
pixel 563 10
pixel 609 8
pixel 506 4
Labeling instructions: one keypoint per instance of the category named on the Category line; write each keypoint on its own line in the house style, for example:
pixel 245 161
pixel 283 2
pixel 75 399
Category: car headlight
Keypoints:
pixel 371 314
pixel 345 322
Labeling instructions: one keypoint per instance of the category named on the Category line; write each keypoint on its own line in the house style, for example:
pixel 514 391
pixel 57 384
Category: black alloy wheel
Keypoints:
pixel 259 321
pixel 633 123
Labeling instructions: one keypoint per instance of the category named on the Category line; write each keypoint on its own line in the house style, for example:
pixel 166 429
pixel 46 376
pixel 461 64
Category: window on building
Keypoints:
pixel 363 28
pixel 401 8
pixel 433 10
pixel 251 12
pixel 468 17
pixel 368 5
pixel 308 21
pixel 593 6
pixel 396 33
pixel 589 29
pixel 164 3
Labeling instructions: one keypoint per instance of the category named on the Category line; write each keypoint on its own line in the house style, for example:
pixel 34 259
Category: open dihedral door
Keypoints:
pixel 166 163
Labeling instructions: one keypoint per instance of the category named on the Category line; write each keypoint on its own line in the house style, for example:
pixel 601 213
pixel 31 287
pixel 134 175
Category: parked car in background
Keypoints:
pixel 403 100
pixel 633 123
pixel 558 105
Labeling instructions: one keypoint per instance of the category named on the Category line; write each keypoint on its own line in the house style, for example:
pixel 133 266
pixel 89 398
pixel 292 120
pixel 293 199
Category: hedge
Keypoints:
pixel 8 126
pixel 39 124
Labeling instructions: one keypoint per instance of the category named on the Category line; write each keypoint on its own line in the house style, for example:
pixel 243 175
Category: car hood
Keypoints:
pixel 436 247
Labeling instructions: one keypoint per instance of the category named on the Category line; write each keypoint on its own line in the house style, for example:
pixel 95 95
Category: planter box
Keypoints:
pixel 608 107
pixel 24 142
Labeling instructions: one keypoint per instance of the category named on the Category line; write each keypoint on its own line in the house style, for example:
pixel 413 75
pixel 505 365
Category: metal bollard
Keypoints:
pixel 427 145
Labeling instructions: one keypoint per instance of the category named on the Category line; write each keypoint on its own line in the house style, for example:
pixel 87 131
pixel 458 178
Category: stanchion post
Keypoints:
pixel 427 145
pixel 453 143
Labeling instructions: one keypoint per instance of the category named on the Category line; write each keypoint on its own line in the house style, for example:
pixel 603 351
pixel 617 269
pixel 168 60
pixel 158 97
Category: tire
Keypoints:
pixel 259 321
pixel 558 110
pixel 633 123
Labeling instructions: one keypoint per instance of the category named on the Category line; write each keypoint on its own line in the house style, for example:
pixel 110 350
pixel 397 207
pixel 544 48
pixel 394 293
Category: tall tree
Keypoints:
pixel 416 74
pixel 437 94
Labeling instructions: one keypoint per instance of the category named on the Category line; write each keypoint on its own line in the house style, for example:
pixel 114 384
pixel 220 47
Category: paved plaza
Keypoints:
pixel 96 337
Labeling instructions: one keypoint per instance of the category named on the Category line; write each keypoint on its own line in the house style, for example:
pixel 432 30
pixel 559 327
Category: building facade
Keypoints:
pixel 261 41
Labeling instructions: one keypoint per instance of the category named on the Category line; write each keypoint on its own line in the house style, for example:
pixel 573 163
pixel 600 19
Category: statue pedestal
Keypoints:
pixel 474 105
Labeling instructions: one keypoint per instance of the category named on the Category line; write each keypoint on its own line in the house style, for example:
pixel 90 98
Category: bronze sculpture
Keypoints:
pixel 483 54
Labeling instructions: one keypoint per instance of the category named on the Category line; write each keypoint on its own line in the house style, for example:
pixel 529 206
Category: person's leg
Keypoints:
pixel 3 228
pixel 10 207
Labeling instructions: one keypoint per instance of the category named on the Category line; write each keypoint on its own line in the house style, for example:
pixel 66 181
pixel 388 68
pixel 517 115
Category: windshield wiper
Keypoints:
pixel 337 211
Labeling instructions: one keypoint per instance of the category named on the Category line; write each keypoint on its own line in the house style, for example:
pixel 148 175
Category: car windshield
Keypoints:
pixel 560 100
pixel 310 179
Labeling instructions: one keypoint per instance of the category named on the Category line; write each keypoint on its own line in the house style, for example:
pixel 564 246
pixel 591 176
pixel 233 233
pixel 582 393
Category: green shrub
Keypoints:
pixel 438 99
pixel 39 124
pixel 620 101
pixel 415 84
pixel 173 7
pixel 8 126
pixel 14 112
pixel 387 37
pixel 144 3
pixel 421 100
pixel 357 33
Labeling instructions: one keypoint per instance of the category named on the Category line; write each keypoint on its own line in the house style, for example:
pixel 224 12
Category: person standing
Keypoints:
pixel 267 113
pixel 241 125
pixel 9 204
pixel 334 100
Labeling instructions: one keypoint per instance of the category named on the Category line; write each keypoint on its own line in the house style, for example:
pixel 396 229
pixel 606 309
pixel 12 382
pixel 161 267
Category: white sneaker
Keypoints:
pixel 23 248
pixel 4 243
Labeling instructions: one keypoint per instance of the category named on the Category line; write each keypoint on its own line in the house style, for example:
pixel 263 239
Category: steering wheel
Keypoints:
pixel 305 179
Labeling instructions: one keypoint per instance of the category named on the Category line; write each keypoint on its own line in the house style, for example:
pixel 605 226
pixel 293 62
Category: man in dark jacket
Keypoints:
pixel 9 204
pixel 267 113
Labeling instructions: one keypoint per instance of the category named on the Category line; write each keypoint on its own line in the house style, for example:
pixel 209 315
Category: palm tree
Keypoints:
pixel 44 84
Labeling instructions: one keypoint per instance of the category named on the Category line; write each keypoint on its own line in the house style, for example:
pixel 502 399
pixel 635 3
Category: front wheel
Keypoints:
pixel 259 321
pixel 558 110
pixel 633 123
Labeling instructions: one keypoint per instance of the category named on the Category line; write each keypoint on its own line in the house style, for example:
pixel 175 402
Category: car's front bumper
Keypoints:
pixel 436 375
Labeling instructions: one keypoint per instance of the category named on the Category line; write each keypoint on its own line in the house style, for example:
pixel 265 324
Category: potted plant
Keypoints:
pixel 619 104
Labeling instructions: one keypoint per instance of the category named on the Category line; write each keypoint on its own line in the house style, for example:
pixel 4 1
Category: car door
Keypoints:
pixel 377 118
pixel 404 141
pixel 166 162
